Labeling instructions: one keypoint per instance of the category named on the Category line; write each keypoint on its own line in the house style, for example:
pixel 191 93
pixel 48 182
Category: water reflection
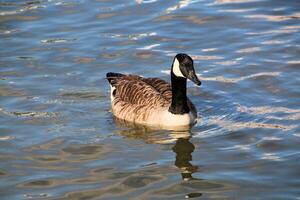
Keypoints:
pixel 184 149
pixel 151 134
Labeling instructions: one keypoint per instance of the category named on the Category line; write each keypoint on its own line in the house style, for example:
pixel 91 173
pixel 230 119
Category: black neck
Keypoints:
pixel 179 99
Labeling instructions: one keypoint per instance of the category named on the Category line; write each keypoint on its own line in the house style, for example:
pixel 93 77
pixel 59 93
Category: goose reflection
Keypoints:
pixel 183 148
pixel 151 134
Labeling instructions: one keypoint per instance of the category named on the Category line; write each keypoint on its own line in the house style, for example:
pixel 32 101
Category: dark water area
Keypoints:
pixel 58 139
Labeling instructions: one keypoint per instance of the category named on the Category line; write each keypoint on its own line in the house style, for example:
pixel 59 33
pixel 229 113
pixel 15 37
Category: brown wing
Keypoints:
pixel 163 87
pixel 134 90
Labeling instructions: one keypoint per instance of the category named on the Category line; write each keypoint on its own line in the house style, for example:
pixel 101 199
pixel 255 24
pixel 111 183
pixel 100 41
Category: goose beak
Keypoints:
pixel 193 77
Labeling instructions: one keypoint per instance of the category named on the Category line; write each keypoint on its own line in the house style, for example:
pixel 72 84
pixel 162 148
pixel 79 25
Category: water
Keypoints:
pixel 58 138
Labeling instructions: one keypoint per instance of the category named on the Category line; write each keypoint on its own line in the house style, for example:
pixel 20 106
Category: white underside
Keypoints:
pixel 165 119
pixel 170 119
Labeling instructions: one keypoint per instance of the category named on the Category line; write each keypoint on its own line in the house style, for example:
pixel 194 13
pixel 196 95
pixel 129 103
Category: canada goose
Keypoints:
pixel 152 101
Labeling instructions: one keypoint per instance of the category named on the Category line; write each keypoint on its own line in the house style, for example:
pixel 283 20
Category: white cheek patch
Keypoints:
pixel 176 69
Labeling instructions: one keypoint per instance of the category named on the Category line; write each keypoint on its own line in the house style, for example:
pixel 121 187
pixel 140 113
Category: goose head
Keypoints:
pixel 183 66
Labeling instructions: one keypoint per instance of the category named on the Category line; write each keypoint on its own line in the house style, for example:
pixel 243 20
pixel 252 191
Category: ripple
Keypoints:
pixel 233 125
pixel 126 182
pixel 297 134
pixel 144 54
pixel 34 114
pixel 82 150
pixel 236 80
pixel 82 95
pixel 209 49
pixel 36 196
pixel 21 10
pixel 243 147
pixel 86 152
pixel 194 19
pixel 220 2
pixel 57 40
pixel 18 18
pixel 249 50
pixel 5 138
pixel 272 138
pixel 181 4
pixel 149 47
pixel 227 62
pixel 294 62
pixel 270 156
pixel 105 15
pixel 274 18
pixel 25 57
pixel 190 186
pixel 8 32
pixel 38 183
pixel 134 37
pixel 281 30
pixel 289 114
pixel 202 57
pixel 291 27
pixel 140 181
pixel 266 110
pixel 9 92
pixel 146 1
pixel 47 145
pixel 270 42
pixel 85 60
pixel 237 10
pixel 234 1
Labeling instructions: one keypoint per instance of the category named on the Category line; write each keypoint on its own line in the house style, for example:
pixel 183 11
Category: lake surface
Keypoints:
pixel 58 139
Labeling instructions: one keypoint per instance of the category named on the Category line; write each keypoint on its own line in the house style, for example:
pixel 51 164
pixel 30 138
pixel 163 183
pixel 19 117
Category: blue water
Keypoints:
pixel 59 140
